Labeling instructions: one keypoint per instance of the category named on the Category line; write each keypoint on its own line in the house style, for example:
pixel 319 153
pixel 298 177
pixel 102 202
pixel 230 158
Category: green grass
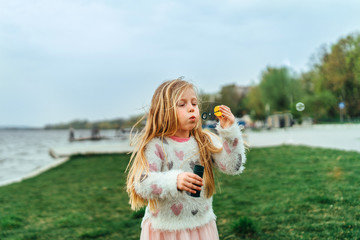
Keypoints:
pixel 285 192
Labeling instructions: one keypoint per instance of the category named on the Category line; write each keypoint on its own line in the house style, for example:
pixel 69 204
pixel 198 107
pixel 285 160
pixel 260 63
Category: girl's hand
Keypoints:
pixel 227 118
pixel 186 181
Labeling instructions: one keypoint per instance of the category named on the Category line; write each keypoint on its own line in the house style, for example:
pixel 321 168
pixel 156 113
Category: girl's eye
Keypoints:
pixel 181 104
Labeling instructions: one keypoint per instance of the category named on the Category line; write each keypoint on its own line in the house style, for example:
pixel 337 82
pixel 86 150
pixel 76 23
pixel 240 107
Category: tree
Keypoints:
pixel 340 73
pixel 279 88
pixel 254 104
pixel 232 96
pixel 319 104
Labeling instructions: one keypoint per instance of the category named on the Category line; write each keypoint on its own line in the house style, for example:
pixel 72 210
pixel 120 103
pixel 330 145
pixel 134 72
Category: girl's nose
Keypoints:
pixel 191 109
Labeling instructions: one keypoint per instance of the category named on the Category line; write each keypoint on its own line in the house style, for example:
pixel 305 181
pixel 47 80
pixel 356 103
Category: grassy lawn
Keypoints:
pixel 286 192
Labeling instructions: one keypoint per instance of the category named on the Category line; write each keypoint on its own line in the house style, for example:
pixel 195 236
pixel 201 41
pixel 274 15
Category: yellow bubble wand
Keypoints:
pixel 217 113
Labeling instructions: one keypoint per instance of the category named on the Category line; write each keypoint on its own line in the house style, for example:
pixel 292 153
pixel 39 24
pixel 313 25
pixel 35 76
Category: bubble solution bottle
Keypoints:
pixel 199 170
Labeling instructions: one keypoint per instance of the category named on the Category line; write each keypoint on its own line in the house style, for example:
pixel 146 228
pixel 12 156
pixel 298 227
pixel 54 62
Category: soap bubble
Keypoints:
pixel 300 106
pixel 208 110
pixel 204 115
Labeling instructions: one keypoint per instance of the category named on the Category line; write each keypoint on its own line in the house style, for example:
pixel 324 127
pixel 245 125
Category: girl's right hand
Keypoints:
pixel 187 180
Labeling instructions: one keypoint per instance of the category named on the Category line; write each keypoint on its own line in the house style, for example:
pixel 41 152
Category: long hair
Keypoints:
pixel 162 122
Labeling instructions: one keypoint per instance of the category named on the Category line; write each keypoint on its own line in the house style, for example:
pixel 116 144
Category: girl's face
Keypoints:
pixel 187 113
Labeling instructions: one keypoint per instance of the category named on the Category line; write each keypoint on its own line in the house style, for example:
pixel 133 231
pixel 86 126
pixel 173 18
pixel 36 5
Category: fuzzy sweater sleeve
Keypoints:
pixel 159 182
pixel 232 158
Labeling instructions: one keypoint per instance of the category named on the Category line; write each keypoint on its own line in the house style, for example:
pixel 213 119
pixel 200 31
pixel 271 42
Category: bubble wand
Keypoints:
pixel 216 112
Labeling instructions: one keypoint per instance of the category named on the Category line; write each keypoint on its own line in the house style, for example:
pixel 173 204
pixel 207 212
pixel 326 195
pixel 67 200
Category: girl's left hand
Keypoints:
pixel 227 118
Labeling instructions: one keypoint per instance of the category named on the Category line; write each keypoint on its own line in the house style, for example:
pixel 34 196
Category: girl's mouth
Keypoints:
pixel 192 118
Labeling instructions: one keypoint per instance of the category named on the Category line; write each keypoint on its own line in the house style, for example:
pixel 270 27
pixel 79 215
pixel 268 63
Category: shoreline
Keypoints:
pixel 342 137
pixel 63 154
pixel 36 172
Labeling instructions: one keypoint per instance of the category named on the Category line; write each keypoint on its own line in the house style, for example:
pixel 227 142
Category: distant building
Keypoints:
pixel 279 120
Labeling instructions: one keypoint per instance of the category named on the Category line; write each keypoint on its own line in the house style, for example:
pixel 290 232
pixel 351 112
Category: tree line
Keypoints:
pixel 118 123
pixel 333 78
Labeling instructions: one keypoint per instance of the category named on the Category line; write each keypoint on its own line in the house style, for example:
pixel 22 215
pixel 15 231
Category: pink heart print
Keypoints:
pixel 153 167
pixel 236 141
pixel 222 166
pixel 226 147
pixel 180 155
pixel 159 152
pixel 177 208
pixel 155 189
pixel 156 213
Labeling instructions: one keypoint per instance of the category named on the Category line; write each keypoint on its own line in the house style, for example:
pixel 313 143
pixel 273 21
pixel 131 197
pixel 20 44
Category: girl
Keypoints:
pixel 161 165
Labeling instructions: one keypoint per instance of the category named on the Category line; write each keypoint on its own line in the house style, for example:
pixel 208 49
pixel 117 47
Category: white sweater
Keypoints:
pixel 177 209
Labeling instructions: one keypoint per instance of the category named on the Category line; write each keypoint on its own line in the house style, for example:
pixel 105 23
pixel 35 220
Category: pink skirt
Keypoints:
pixel 206 232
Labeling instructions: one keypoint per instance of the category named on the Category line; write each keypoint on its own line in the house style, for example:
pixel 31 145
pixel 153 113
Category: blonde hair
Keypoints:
pixel 160 123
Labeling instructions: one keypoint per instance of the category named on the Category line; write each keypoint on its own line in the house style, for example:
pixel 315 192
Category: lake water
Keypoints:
pixel 24 152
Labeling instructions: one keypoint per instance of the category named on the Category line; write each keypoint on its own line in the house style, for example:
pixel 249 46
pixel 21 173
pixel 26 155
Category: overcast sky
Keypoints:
pixel 62 60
